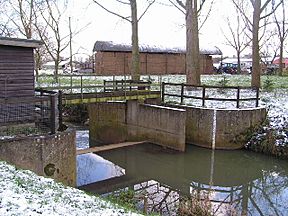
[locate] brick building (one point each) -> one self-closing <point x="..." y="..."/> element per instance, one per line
<point x="115" y="59"/>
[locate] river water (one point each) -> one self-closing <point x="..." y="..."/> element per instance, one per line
<point x="236" y="182"/>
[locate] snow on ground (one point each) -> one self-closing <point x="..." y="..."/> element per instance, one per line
<point x="24" y="193"/>
<point x="276" y="103"/>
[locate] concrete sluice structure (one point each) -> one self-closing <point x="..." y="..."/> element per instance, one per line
<point x="172" y="126"/>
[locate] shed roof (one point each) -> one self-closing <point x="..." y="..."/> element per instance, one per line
<point x="117" y="47"/>
<point x="7" y="41"/>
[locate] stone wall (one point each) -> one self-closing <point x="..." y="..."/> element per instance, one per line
<point x="118" y="122"/>
<point x="51" y="156"/>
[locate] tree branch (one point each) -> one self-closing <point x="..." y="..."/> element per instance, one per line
<point x="181" y="9"/>
<point x="150" y="3"/>
<point x="111" y="12"/>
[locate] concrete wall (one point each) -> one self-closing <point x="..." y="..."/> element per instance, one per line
<point x="107" y="123"/>
<point x="219" y="129"/>
<point x="52" y="156"/>
<point x="118" y="122"/>
<point x="199" y="126"/>
<point x="231" y="126"/>
<point x="157" y="124"/>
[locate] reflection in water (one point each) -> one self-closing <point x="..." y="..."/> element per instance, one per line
<point x="92" y="168"/>
<point x="235" y="181"/>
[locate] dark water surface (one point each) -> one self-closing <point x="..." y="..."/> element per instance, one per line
<point x="237" y="181"/>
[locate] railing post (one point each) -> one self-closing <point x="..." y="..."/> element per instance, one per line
<point x="53" y="114"/>
<point x="238" y="97"/>
<point x="104" y="86"/>
<point x="60" y="108"/>
<point x="182" y="93"/>
<point x="71" y="84"/>
<point x="203" y="95"/>
<point x="81" y="85"/>
<point x="257" y="97"/>
<point x="162" y="91"/>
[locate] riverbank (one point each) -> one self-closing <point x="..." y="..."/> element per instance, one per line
<point x="272" y="138"/>
<point x="24" y="193"/>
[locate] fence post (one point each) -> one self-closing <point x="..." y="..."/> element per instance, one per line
<point x="60" y="108"/>
<point x="145" y="210"/>
<point x="203" y="95"/>
<point x="238" y="97"/>
<point x="104" y="83"/>
<point x="71" y="84"/>
<point x="162" y="91"/>
<point x="257" y="97"/>
<point x="81" y="84"/>
<point x="182" y="93"/>
<point x="53" y="113"/>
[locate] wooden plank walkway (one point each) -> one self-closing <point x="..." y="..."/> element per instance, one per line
<point x="108" y="96"/>
<point x="107" y="147"/>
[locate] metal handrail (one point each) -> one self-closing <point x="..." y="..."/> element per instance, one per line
<point x="204" y="97"/>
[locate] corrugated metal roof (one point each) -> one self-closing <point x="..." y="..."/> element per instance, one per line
<point x="7" y="41"/>
<point x="117" y="47"/>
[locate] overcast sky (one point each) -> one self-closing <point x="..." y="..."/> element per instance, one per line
<point x="161" y="25"/>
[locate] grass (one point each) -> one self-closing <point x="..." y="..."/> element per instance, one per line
<point x="245" y="80"/>
<point x="19" y="130"/>
<point x="66" y="81"/>
<point x="275" y="81"/>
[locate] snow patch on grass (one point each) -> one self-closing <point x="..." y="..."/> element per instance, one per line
<point x="24" y="193"/>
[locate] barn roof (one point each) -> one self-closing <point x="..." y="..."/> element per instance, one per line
<point x="20" y="42"/>
<point x="116" y="47"/>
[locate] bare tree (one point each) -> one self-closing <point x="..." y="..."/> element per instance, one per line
<point x="50" y="30"/>
<point x="52" y="17"/>
<point x="5" y="28"/>
<point x="237" y="38"/>
<point x="282" y="32"/>
<point x="269" y="48"/>
<point x="192" y="10"/>
<point x="23" y="12"/>
<point x="134" y="20"/>
<point x="260" y="13"/>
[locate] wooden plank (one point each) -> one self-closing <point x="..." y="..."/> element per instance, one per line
<point x="67" y="101"/>
<point x="108" y="147"/>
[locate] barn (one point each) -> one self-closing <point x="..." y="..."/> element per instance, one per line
<point x="115" y="59"/>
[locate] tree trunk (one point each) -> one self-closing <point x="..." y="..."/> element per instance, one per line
<point x="135" y="73"/>
<point x="281" y="57"/>
<point x="56" y="69"/>
<point x="238" y="62"/>
<point x="192" y="44"/>
<point x="256" y="68"/>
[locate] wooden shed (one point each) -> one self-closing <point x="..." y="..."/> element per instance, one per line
<point x="17" y="67"/>
<point x="17" y="87"/>
<point x="115" y="59"/>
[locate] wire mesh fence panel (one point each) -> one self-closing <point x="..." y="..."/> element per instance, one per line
<point x="35" y="111"/>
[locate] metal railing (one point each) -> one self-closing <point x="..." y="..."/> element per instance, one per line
<point x="126" y="85"/>
<point x="185" y="92"/>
